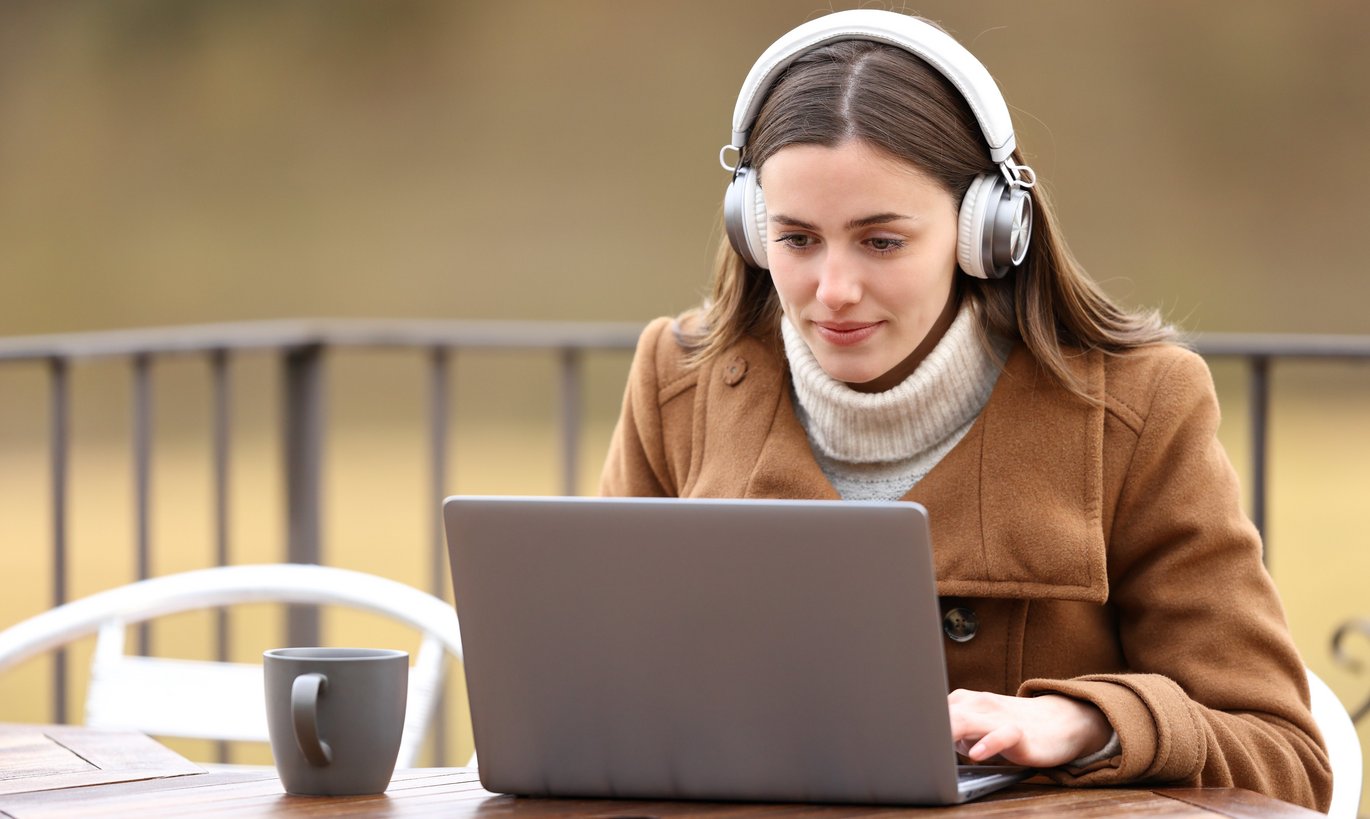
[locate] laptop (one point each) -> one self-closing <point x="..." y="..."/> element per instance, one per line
<point x="736" y="650"/>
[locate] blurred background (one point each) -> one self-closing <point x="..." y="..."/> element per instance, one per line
<point x="181" y="162"/>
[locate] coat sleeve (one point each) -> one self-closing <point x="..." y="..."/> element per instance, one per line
<point x="1216" y="694"/>
<point x="636" y="465"/>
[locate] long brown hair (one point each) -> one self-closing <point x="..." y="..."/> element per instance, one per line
<point x="896" y="102"/>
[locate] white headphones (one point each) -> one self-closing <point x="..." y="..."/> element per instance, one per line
<point x="996" y="214"/>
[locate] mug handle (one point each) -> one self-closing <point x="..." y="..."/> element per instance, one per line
<point x="304" y="713"/>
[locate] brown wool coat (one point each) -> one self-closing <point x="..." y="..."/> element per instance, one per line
<point x="1101" y="547"/>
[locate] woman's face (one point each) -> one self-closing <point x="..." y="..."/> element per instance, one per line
<point x="862" y="249"/>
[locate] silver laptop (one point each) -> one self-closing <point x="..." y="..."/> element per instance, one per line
<point x="689" y="649"/>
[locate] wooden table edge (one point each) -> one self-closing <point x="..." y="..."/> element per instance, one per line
<point x="1239" y="803"/>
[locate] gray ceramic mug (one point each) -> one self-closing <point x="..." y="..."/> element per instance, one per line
<point x="335" y="716"/>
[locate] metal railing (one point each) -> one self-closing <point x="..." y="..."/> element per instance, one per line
<point x="302" y="347"/>
<point x="1260" y="351"/>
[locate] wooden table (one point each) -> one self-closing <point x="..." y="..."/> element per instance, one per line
<point x="147" y="782"/>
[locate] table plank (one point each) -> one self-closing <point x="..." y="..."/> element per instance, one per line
<point x="237" y="793"/>
<point x="1240" y="804"/>
<point x="47" y="757"/>
<point x="450" y="792"/>
<point x="24" y="755"/>
<point x="457" y="793"/>
<point x="109" y="797"/>
<point x="1042" y="802"/>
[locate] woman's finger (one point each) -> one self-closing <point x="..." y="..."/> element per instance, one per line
<point x="996" y="743"/>
<point x="971" y="724"/>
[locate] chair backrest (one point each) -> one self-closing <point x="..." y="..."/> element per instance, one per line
<point x="168" y="697"/>
<point x="1343" y="748"/>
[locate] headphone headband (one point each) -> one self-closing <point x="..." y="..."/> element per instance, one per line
<point x="933" y="45"/>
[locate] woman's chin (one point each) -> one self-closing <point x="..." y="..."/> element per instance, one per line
<point x="855" y="377"/>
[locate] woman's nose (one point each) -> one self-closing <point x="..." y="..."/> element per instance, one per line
<point x="838" y="284"/>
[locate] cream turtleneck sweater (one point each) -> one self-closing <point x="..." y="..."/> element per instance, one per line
<point x="876" y="446"/>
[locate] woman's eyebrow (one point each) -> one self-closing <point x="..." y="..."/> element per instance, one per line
<point x="864" y="221"/>
<point x="877" y="219"/>
<point x="790" y="221"/>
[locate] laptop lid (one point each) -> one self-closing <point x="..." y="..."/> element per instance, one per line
<point x="770" y="650"/>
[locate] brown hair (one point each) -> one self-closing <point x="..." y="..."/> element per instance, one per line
<point x="893" y="100"/>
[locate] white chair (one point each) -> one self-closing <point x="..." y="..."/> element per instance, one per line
<point x="212" y="700"/>
<point x="1343" y="748"/>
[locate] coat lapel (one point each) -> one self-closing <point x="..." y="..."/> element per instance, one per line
<point x="785" y="467"/>
<point x="1016" y="507"/>
<point x="749" y="444"/>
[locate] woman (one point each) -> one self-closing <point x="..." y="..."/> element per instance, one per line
<point x="896" y="316"/>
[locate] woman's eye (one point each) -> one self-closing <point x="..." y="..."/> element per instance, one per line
<point x="798" y="241"/>
<point x="884" y="245"/>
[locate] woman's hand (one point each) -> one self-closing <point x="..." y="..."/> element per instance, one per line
<point x="1040" y="732"/>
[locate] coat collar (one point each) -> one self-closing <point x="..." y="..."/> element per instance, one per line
<point x="1016" y="507"/>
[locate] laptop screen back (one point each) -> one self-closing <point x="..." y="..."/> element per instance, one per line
<point x="666" y="648"/>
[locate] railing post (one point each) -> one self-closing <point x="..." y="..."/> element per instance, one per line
<point x="142" y="472"/>
<point x="220" y="411"/>
<point x="61" y="422"/>
<point x="437" y="566"/>
<point x="303" y="444"/>
<point x="1260" y="431"/>
<point x="570" y="419"/>
<point x="219" y="422"/>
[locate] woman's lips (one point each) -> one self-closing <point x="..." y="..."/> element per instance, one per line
<point x="845" y="334"/>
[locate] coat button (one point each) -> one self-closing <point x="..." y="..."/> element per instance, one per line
<point x="960" y="624"/>
<point x="734" y="371"/>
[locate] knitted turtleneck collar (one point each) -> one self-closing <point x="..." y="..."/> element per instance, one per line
<point x="938" y="401"/>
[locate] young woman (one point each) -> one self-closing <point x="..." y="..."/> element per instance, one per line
<point x="896" y="315"/>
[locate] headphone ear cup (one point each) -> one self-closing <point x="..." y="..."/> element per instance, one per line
<point x="970" y="227"/>
<point x="994" y="228"/>
<point x="1013" y="228"/>
<point x="756" y="237"/>
<point x="744" y="217"/>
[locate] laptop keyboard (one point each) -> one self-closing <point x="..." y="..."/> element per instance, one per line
<point x="965" y="773"/>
